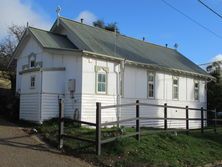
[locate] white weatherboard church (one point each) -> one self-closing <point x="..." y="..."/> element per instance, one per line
<point x="85" y="65"/>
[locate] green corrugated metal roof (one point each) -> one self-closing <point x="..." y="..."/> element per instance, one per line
<point x="52" y="40"/>
<point x="102" y="41"/>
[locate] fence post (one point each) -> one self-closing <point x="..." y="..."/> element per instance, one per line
<point x="215" y="121"/>
<point x="61" y="122"/>
<point x="202" y="120"/>
<point x="187" y="120"/>
<point x="138" y="120"/>
<point x="98" y="128"/>
<point x="165" y="116"/>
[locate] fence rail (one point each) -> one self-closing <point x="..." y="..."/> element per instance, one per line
<point x="98" y="125"/>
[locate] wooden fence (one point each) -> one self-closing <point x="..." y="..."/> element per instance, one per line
<point x="98" y="125"/>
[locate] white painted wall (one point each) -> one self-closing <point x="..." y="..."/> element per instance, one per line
<point x="57" y="82"/>
<point x="89" y="95"/>
<point x="31" y="46"/>
<point x="53" y="83"/>
<point x="52" y="86"/>
<point x="135" y="88"/>
<point x="29" y="97"/>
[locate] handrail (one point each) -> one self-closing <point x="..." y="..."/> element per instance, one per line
<point x="118" y="105"/>
<point x="152" y="105"/>
<point x="84" y="122"/>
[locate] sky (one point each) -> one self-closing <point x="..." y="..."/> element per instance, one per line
<point x="153" y="19"/>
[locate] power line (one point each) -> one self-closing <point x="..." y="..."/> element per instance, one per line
<point x="208" y="7"/>
<point x="191" y="19"/>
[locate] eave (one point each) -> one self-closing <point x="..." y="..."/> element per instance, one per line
<point x="150" y="66"/>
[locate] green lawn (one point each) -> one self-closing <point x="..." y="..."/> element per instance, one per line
<point x="157" y="149"/>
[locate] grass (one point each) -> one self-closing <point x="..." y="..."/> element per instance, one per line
<point x="157" y="149"/>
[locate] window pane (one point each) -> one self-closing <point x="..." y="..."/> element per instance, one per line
<point x="175" y="82"/>
<point x="196" y="94"/>
<point x="103" y="87"/>
<point x="32" y="63"/>
<point x="99" y="87"/>
<point x="175" y="92"/>
<point x="150" y="77"/>
<point x="196" y="85"/>
<point x="103" y="78"/>
<point x="150" y="93"/>
<point x="99" y="77"/>
<point x="150" y="90"/>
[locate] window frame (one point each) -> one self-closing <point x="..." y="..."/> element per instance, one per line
<point x="31" y="82"/>
<point x="101" y="72"/>
<point x="175" y="86"/>
<point x="198" y="90"/>
<point x="151" y="82"/>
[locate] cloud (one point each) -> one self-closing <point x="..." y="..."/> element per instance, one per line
<point x="16" y="12"/>
<point x="88" y="17"/>
<point x="217" y="58"/>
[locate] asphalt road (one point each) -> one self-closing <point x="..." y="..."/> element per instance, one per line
<point x="19" y="149"/>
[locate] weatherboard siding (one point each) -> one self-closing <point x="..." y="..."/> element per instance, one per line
<point x="89" y="94"/>
<point x="50" y="107"/>
<point x="29" y="107"/>
<point x="135" y="88"/>
<point x="89" y="108"/>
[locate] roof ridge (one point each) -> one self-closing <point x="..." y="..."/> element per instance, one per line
<point x="125" y="36"/>
<point x="86" y="25"/>
<point x="30" y="27"/>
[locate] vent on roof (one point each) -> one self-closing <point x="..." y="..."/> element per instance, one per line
<point x="176" y="45"/>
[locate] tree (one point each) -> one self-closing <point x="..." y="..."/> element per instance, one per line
<point x="214" y="92"/>
<point x="99" y="23"/>
<point x="7" y="47"/>
<point x="110" y="26"/>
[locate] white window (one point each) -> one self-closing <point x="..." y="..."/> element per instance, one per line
<point x="151" y="86"/>
<point x="101" y="82"/>
<point x="175" y="88"/>
<point x="196" y="90"/>
<point x="32" y="82"/>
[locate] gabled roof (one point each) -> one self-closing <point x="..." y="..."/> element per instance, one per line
<point x="51" y="40"/>
<point x="102" y="41"/>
